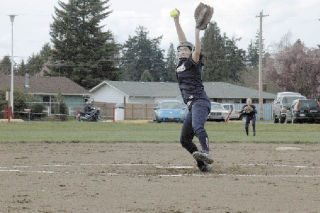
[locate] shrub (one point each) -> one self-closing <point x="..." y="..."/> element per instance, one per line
<point x="35" y="109"/>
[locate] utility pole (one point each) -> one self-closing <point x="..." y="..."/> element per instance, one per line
<point x="260" y="67"/>
<point x="12" y="62"/>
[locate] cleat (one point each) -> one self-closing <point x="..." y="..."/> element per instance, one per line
<point x="203" y="156"/>
<point x="205" y="167"/>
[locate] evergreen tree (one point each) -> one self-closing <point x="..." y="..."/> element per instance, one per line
<point x="36" y="62"/>
<point x="224" y="60"/>
<point x="253" y="52"/>
<point x="5" y="65"/>
<point x="213" y="50"/>
<point x="82" y="51"/>
<point x="235" y="60"/>
<point x="253" y="55"/>
<point x="171" y="64"/>
<point x="141" y="53"/>
<point x="21" y="69"/>
<point x="146" y="76"/>
<point x="45" y="52"/>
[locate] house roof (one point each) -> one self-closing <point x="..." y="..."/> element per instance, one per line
<point x="227" y="90"/>
<point x="43" y="85"/>
<point x="171" y="89"/>
<point x="143" y="89"/>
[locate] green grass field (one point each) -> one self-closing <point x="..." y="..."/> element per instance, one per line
<point x="73" y="131"/>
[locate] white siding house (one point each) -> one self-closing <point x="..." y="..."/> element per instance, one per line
<point x="134" y="92"/>
<point x="152" y="92"/>
<point x="111" y="93"/>
<point x="107" y="94"/>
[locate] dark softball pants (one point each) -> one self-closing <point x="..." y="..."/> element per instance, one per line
<point x="253" y="119"/>
<point x="194" y="126"/>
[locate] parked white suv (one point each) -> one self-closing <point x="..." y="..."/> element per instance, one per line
<point x="282" y="104"/>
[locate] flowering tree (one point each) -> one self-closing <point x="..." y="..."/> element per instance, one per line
<point x="295" y="68"/>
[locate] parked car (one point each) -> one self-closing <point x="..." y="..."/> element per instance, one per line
<point x="305" y="110"/>
<point x="217" y="113"/>
<point x="282" y="104"/>
<point x="234" y="113"/>
<point x="170" y="111"/>
<point x="279" y="94"/>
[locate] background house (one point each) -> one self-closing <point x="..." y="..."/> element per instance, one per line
<point x="134" y="92"/>
<point x="46" y="88"/>
<point x="151" y="92"/>
<point x="140" y="97"/>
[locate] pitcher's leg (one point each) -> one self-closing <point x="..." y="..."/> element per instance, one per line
<point x="199" y="117"/>
<point x="200" y="110"/>
<point x="187" y="135"/>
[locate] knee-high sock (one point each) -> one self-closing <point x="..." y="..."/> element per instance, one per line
<point x="204" y="140"/>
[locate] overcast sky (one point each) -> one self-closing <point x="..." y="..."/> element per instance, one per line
<point x="237" y="18"/>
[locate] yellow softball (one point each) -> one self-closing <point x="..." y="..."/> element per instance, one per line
<point x="174" y="13"/>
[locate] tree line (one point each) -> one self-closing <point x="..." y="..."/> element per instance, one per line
<point x="81" y="50"/>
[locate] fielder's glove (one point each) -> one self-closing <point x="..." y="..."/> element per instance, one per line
<point x="202" y="15"/>
<point x="248" y="109"/>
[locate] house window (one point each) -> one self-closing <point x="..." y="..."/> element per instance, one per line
<point x="46" y="99"/>
<point x="219" y="100"/>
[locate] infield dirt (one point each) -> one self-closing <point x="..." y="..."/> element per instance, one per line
<point x="158" y="177"/>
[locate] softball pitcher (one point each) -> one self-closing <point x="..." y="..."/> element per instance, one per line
<point x="189" y="74"/>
